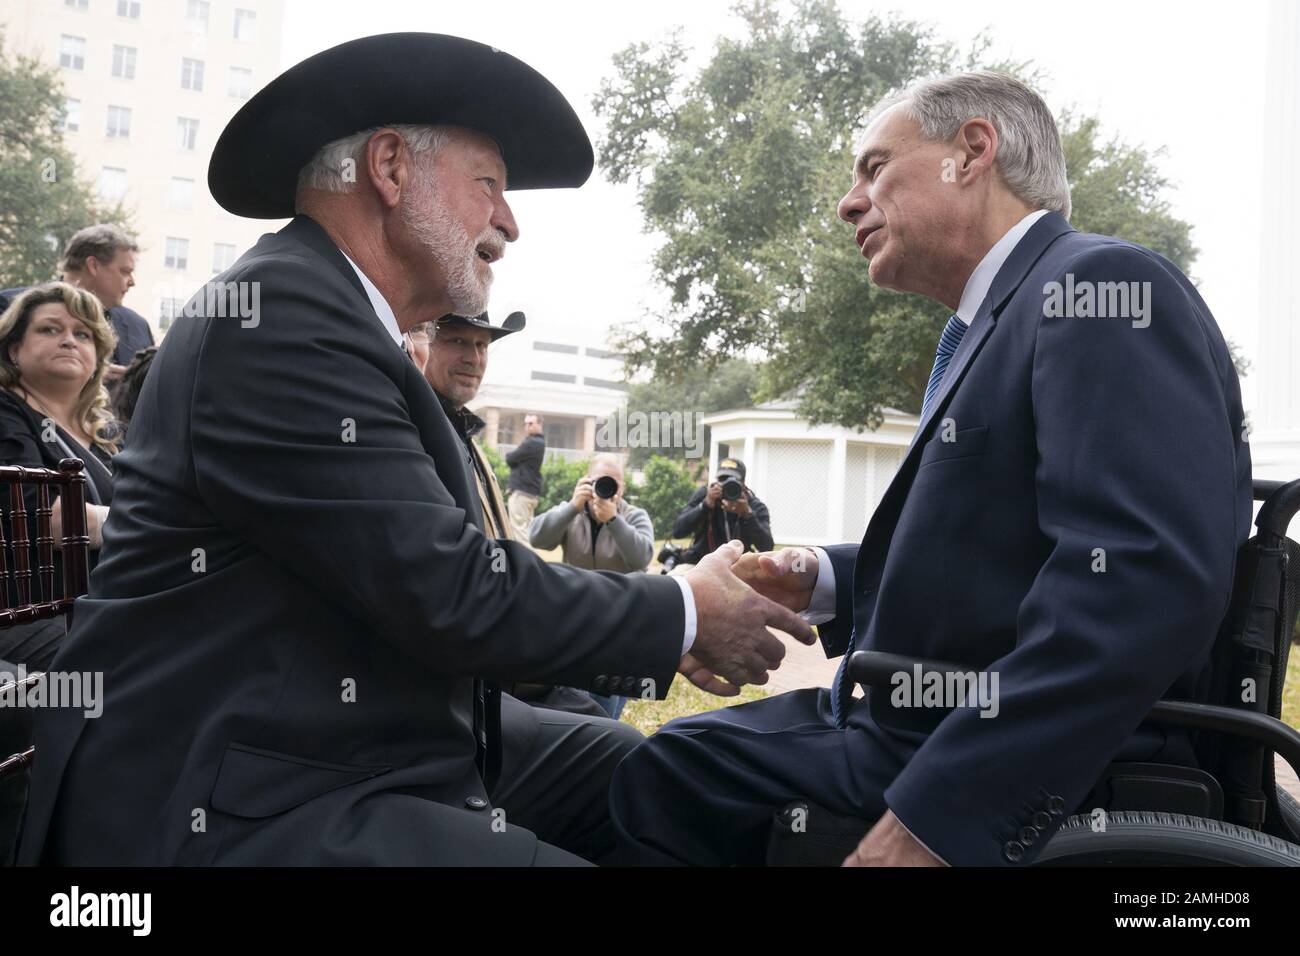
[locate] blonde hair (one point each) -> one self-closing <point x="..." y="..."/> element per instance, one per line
<point x="92" y="410"/>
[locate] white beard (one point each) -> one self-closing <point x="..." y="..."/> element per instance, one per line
<point x="452" y="249"/>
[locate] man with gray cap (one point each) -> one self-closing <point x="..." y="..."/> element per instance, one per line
<point x="295" y="580"/>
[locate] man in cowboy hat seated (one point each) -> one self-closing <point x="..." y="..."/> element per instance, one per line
<point x="300" y="619"/>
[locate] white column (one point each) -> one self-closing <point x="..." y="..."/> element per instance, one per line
<point x="835" y="483"/>
<point x="1275" y="419"/>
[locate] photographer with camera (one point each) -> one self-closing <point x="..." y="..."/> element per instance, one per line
<point x="599" y="531"/>
<point x="722" y="511"/>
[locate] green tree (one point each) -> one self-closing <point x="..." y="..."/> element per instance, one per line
<point x="700" y="390"/>
<point x="663" y="492"/>
<point x="43" y="201"/>
<point x="739" y="169"/>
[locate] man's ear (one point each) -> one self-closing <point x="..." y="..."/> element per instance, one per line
<point x="977" y="141"/>
<point x="92" y="266"/>
<point x="387" y="166"/>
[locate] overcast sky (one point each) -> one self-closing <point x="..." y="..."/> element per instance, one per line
<point x="1186" y="76"/>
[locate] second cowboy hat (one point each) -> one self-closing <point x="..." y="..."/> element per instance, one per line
<point x="395" y="78"/>
<point x="514" y="322"/>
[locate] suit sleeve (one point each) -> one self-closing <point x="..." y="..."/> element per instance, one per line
<point x="303" y="445"/>
<point x="834" y="634"/>
<point x="758" y="529"/>
<point x="1137" y="509"/>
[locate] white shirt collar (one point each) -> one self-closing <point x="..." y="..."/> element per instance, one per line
<point x="977" y="286"/>
<point x="378" y="302"/>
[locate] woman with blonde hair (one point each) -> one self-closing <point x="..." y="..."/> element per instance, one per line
<point x="55" y="345"/>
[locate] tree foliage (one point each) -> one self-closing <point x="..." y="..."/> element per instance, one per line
<point x="739" y="168"/>
<point x="43" y="201"/>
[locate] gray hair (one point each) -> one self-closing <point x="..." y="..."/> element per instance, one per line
<point x="329" y="169"/>
<point x="1030" y="157"/>
<point x="103" y="241"/>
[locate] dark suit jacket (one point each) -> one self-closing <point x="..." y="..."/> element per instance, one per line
<point x="1070" y="435"/>
<point x="293" y="598"/>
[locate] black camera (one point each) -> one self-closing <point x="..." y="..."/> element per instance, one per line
<point x="606" y="486"/>
<point x="732" y="489"/>
<point x="670" y="555"/>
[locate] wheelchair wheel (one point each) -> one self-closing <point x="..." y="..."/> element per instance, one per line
<point x="1145" y="838"/>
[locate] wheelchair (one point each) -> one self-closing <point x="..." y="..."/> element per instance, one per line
<point x="1227" y="811"/>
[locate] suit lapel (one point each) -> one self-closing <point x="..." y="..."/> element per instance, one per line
<point x="880" y="530"/>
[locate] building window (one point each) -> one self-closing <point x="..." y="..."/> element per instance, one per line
<point x="129" y="9"/>
<point x="241" y="83"/>
<point x="555" y="377"/>
<point x="176" y="253"/>
<point x="72" y="52"/>
<point x="76" y="4"/>
<point x="223" y="256"/>
<point x="124" y="62"/>
<point x="71" y="116"/>
<point x="555" y="347"/>
<point x="181" y="194"/>
<point x="119" y="122"/>
<point x="112" y="183"/>
<point x="604" y="383"/>
<point x="602" y="353"/>
<point x="196" y="16"/>
<point x="168" y="309"/>
<point x="188" y="131"/>
<point x="192" y="74"/>
<point x="246" y="25"/>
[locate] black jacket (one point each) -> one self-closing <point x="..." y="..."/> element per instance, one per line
<point x="294" y="598"/>
<point x="525" y="463"/>
<point x="697" y="519"/>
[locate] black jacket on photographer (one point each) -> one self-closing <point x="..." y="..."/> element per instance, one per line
<point x="713" y="527"/>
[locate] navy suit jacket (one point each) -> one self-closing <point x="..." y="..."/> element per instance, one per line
<point x="1054" y="442"/>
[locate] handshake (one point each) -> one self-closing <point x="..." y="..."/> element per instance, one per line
<point x="738" y="597"/>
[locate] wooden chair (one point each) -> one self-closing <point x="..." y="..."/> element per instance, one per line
<point x="28" y="595"/>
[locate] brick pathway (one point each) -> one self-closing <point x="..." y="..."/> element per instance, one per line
<point x="808" y="667"/>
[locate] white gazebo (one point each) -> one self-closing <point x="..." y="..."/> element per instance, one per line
<point x="821" y="482"/>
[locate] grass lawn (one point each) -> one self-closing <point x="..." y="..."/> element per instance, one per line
<point x="683" y="699"/>
<point x="1291" y="690"/>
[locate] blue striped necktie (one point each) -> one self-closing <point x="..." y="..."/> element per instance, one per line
<point x="953" y="332"/>
<point x="948" y="342"/>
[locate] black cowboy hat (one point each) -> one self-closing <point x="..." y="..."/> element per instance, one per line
<point x="395" y="78"/>
<point x="514" y="322"/>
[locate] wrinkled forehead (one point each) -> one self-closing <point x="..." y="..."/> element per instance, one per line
<point x="605" y="466"/>
<point x="474" y="146"/>
<point x="890" y="132"/>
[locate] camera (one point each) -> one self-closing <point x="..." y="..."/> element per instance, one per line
<point x="606" y="486"/>
<point x="732" y="489"/>
<point x="670" y="555"/>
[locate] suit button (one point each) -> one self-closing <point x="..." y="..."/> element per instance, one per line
<point x="1042" y="819"/>
<point x="475" y="803"/>
<point x="1013" y="851"/>
<point x="1028" y="835"/>
<point x="614" y="684"/>
<point x="599" y="683"/>
<point x="629" y="684"/>
<point x="1056" y="805"/>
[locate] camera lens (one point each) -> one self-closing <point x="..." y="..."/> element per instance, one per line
<point x="732" y="489"/>
<point x="606" y="486"/>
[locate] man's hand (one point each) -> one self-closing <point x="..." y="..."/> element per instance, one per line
<point x="705" y="679"/>
<point x="713" y="494"/>
<point x="582" y="493"/>
<point x="786" y="576"/>
<point x="603" y="509"/>
<point x="731" y="636"/>
<point x="889" y="844"/>
<point x="738" y="507"/>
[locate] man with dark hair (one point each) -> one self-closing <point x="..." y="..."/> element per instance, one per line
<point x="101" y="260"/>
<point x="525" y="461"/>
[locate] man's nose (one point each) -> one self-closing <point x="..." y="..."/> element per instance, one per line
<point x="503" y="220"/>
<point x="854" y="205"/>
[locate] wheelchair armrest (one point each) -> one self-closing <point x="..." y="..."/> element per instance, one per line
<point x="876" y="669"/>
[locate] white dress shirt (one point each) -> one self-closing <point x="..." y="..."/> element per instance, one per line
<point x="389" y="321"/>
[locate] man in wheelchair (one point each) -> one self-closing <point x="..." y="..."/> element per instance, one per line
<point x="1066" y="523"/>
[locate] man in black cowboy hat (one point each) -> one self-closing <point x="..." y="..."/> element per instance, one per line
<point x="302" y="619"/>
